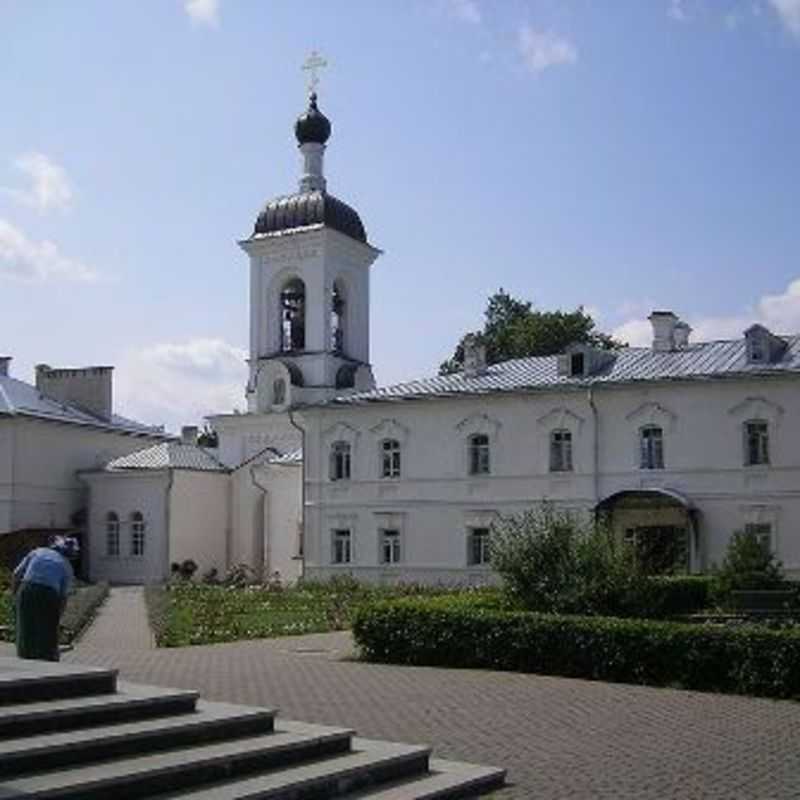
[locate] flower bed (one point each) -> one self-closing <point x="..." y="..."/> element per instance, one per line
<point x="454" y="632"/>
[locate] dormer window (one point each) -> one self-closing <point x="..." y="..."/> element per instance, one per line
<point x="763" y="347"/>
<point x="577" y="364"/>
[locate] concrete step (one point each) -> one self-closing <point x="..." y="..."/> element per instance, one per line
<point x="24" y="681"/>
<point x="131" y="702"/>
<point x="211" y="722"/>
<point x="145" y="776"/>
<point x="447" y="780"/>
<point x="369" y="764"/>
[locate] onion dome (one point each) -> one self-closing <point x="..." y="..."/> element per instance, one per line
<point x="313" y="126"/>
<point x="310" y="208"/>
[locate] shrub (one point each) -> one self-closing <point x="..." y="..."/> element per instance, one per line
<point x="557" y="561"/>
<point x="452" y="632"/>
<point x="748" y="565"/>
<point x="664" y="596"/>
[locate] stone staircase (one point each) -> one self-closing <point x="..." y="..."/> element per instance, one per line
<point x="76" y="733"/>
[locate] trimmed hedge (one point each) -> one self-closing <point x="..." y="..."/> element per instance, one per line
<point x="454" y="632"/>
<point x="662" y="597"/>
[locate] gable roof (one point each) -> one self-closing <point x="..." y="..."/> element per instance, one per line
<point x="167" y="455"/>
<point x="702" y="361"/>
<point x="18" y="398"/>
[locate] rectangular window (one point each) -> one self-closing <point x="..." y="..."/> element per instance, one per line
<point x="390" y="547"/>
<point x="342" y="546"/>
<point x="756" y="443"/>
<point x="390" y="459"/>
<point x="763" y="533"/>
<point x="340" y="461"/>
<point x="479" y="463"/>
<point x="561" y="451"/>
<point x="651" y="448"/>
<point x="478" y="547"/>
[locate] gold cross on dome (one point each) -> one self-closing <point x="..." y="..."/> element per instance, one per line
<point x="312" y="64"/>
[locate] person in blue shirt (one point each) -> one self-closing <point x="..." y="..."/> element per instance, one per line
<point x="41" y="583"/>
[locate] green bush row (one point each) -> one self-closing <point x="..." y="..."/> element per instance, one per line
<point x="449" y="632"/>
<point x="662" y="597"/>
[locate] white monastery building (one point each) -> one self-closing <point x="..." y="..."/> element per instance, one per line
<point x="679" y="444"/>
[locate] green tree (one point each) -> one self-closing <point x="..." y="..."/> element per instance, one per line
<point x="513" y="329"/>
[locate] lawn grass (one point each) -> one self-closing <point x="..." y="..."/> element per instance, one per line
<point x="185" y="613"/>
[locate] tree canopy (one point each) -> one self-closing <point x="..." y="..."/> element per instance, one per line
<point x="513" y="329"/>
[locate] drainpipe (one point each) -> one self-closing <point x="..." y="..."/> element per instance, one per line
<point x="263" y="554"/>
<point x="167" y="503"/>
<point x="595" y="444"/>
<point x="302" y="492"/>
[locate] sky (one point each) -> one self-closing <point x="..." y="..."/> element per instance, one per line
<point x="621" y="156"/>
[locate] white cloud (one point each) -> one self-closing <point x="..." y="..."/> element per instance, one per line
<point x="48" y="184"/>
<point x="543" y="49"/>
<point x="27" y="260"/>
<point x="788" y="12"/>
<point x="203" y="12"/>
<point x="778" y="312"/>
<point x="180" y="383"/>
<point x="464" y="10"/>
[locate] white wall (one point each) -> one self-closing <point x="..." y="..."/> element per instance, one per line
<point x="44" y="489"/>
<point x="198" y="519"/>
<point x="435" y="501"/>
<point x="124" y="493"/>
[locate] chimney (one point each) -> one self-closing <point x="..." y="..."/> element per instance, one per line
<point x="663" y="323"/>
<point x="86" y="388"/>
<point x="189" y="434"/>
<point x="474" y="356"/>
<point x="5" y="363"/>
<point x="681" y="334"/>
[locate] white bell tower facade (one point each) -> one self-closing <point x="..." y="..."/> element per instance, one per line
<point x="309" y="289"/>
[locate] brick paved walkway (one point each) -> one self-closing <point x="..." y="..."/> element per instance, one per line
<point x="559" y="738"/>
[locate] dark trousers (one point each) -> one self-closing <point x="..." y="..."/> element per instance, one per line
<point x="38" y="614"/>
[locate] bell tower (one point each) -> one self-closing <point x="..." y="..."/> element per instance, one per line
<point x="309" y="287"/>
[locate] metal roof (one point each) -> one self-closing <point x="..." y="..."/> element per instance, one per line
<point x="167" y="455"/>
<point x="702" y="361"/>
<point x="23" y="399"/>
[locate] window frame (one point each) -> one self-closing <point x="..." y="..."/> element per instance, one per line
<point x="651" y="447"/>
<point x="112" y="526"/>
<point x="478" y="546"/>
<point x="138" y="531"/>
<point x="341" y="461"/>
<point x="391" y="459"/>
<point x="763" y="532"/>
<point x="343" y="537"/>
<point x="561" y="450"/>
<point x="479" y="454"/>
<point x="390" y="538"/>
<point x="758" y="438"/>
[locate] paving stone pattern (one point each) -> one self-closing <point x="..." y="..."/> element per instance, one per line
<point x="558" y="738"/>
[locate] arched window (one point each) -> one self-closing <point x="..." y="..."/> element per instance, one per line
<point x="279" y="392"/>
<point x="293" y="316"/>
<point x="340" y="461"/>
<point x="561" y="451"/>
<point x="478" y="454"/>
<point x="337" y="318"/>
<point x="651" y="447"/>
<point x="112" y="534"/>
<point x="390" y="458"/>
<point x="137" y="533"/>
<point x="346" y="376"/>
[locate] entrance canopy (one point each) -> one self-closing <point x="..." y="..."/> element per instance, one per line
<point x="652" y="495"/>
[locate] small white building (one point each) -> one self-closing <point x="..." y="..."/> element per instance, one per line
<point x="175" y="501"/>
<point x="50" y="431"/>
